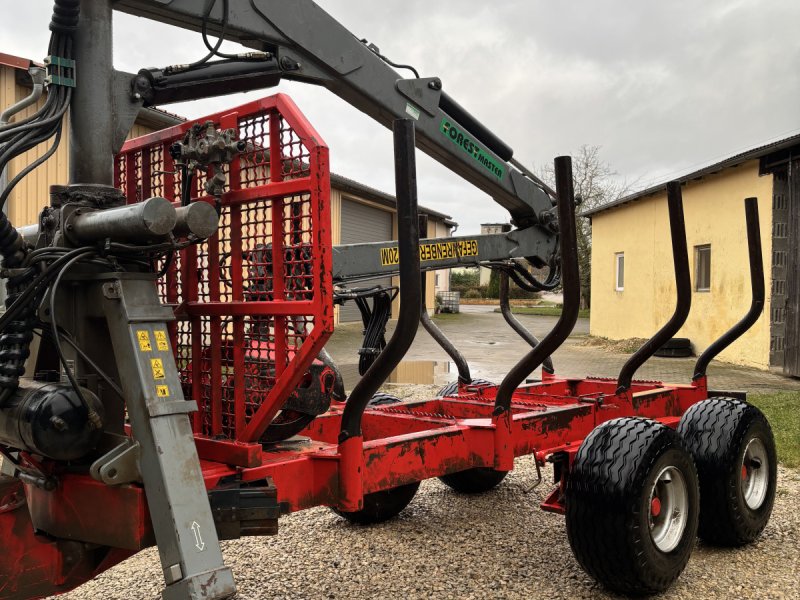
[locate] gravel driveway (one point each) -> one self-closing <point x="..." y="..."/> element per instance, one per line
<point x="445" y="545"/>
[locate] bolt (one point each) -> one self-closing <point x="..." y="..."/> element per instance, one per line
<point x="436" y="84"/>
<point x="137" y="96"/>
<point x="58" y="423"/>
<point x="289" y="64"/>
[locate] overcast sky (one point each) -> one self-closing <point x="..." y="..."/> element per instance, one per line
<point x="664" y="87"/>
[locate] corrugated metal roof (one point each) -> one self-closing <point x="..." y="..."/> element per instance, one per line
<point x="158" y="119"/>
<point x="154" y="118"/>
<point x="732" y="161"/>
<point x="16" y="62"/>
<point x="354" y="187"/>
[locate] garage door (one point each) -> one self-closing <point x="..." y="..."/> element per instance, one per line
<point x="362" y="223"/>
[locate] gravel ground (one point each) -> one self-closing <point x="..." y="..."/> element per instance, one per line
<point x="445" y="545"/>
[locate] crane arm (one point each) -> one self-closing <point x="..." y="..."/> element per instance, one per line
<point x="304" y="43"/>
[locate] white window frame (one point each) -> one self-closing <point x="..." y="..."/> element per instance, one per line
<point x="619" y="257"/>
<point x="701" y="248"/>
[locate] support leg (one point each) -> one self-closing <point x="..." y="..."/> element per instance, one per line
<point x="173" y="482"/>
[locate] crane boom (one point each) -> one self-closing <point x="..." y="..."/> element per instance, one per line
<point x="305" y="43"/>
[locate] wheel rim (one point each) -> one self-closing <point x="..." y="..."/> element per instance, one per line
<point x="668" y="509"/>
<point x="754" y="474"/>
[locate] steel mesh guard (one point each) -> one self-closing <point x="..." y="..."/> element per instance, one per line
<point x="254" y="303"/>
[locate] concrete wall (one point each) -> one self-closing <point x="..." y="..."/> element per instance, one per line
<point x="714" y="211"/>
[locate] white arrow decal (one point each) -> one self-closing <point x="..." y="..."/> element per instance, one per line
<point x="199" y="543"/>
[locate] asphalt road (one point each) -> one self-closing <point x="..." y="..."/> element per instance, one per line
<point x="491" y="348"/>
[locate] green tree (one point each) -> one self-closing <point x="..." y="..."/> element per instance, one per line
<point x="493" y="290"/>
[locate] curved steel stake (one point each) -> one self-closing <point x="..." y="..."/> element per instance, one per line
<point x="408" y="319"/>
<point x="440" y="338"/>
<point x="756" y="285"/>
<point x="683" y="282"/>
<point x="570" y="282"/>
<point x="513" y="322"/>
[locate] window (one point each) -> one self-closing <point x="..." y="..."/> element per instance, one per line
<point x="619" y="280"/>
<point x="702" y="268"/>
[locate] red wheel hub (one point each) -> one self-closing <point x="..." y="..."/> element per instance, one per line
<point x="655" y="507"/>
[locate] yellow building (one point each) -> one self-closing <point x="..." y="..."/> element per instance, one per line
<point x="633" y="288"/>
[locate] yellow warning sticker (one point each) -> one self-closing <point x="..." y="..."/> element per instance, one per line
<point x="158" y="368"/>
<point x="162" y="391"/>
<point x="432" y="252"/>
<point x="144" y="340"/>
<point x="161" y="341"/>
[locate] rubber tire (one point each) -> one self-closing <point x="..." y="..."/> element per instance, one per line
<point x="381" y="506"/>
<point x="607" y="505"/>
<point x="281" y="430"/>
<point x="677" y="343"/>
<point x="386" y="504"/>
<point x="717" y="432"/>
<point x="382" y="399"/>
<point x="451" y="389"/>
<point x="474" y="481"/>
<point x="673" y="352"/>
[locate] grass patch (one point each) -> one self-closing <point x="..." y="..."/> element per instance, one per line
<point x="544" y="311"/>
<point x="782" y="409"/>
<point x="446" y="316"/>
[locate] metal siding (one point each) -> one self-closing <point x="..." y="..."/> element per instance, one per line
<point x="32" y="193"/>
<point x="781" y="261"/>
<point x="791" y="357"/>
<point x="362" y="223"/>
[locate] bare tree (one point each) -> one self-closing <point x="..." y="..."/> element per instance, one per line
<point x="596" y="183"/>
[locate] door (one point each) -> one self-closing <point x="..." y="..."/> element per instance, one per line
<point x="780" y="258"/>
<point x="363" y="223"/>
<point x="791" y="355"/>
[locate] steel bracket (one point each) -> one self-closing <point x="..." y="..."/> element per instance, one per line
<point x="424" y="93"/>
<point x="120" y="465"/>
<point x="125" y="106"/>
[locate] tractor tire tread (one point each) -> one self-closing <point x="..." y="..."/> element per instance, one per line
<point x="474" y="481"/>
<point x="381" y="506"/>
<point x="383" y="399"/>
<point x="451" y="389"/>
<point x="714" y="431"/>
<point x="613" y="461"/>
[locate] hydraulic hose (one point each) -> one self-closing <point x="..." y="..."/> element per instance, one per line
<point x="17" y="334"/>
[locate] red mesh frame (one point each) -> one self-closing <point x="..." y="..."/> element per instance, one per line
<point x="244" y="339"/>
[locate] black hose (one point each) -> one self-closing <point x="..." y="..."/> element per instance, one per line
<point x="16" y="336"/>
<point x="374" y="320"/>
